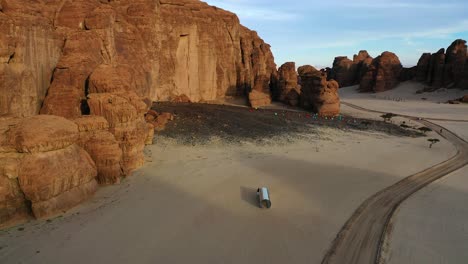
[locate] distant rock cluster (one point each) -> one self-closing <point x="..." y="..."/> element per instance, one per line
<point x="441" y="69"/>
<point x="445" y="68"/>
<point x="308" y="88"/>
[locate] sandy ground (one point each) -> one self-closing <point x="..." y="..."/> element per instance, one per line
<point x="404" y="100"/>
<point x="431" y="226"/>
<point x="197" y="203"/>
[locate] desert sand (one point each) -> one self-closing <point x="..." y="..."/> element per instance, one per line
<point x="429" y="227"/>
<point x="197" y="203"/>
<point x="404" y="100"/>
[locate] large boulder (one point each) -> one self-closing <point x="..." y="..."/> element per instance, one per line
<point x="42" y="169"/>
<point x="126" y="123"/>
<point x="13" y="205"/>
<point x="43" y="133"/>
<point x="383" y="74"/>
<point x="56" y="181"/>
<point x="288" y="87"/>
<point x="318" y="94"/>
<point x="260" y="94"/>
<point x="102" y="147"/>
<point x="349" y="72"/>
<point x="344" y="71"/>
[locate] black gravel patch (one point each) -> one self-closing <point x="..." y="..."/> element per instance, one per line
<point x="199" y="123"/>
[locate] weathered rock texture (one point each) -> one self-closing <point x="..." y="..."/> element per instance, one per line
<point x="102" y="146"/>
<point x="445" y="69"/>
<point x="42" y="169"/>
<point x="288" y="87"/>
<point x="159" y="49"/>
<point x="349" y="72"/>
<point x="108" y="59"/>
<point x="318" y="94"/>
<point x="383" y="74"/>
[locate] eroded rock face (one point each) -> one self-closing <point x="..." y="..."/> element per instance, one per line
<point x="158" y="49"/>
<point x="29" y="52"/>
<point x="456" y="64"/>
<point x="349" y="72"/>
<point x="42" y="167"/>
<point x="108" y="59"/>
<point x="102" y="146"/>
<point x="56" y="181"/>
<point x="126" y="123"/>
<point x="383" y="74"/>
<point x="288" y="87"/>
<point x="445" y="69"/>
<point x="318" y="94"/>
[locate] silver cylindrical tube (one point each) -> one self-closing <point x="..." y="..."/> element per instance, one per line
<point x="263" y="197"/>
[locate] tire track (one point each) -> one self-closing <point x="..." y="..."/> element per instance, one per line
<point x="361" y="238"/>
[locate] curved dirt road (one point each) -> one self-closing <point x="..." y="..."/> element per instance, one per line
<point x="361" y="238"/>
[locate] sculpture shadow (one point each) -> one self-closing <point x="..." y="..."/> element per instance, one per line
<point x="249" y="195"/>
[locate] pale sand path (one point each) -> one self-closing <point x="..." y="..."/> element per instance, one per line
<point x="433" y="107"/>
<point x="414" y="240"/>
<point x="197" y="204"/>
<point x="432" y="226"/>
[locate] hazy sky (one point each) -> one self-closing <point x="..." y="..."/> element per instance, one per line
<point x="314" y="32"/>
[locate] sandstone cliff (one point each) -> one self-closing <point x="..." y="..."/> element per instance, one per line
<point x="100" y="64"/>
<point x="159" y="49"/>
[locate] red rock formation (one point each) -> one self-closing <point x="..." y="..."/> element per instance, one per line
<point x="349" y="72"/>
<point x="40" y="162"/>
<point x="126" y="123"/>
<point x="455" y="64"/>
<point x="318" y="94"/>
<point x="445" y="69"/>
<point x="422" y="68"/>
<point x="383" y="74"/>
<point x="158" y="120"/>
<point x="288" y="88"/>
<point x="109" y="59"/>
<point x="408" y="74"/>
<point x="159" y="49"/>
<point x="344" y="71"/>
<point x="102" y="147"/>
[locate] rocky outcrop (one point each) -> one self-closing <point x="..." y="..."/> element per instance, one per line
<point x="408" y="74"/>
<point x="95" y="138"/>
<point x="29" y="51"/>
<point x="349" y="72"/>
<point x="422" y="67"/>
<point x="456" y="65"/>
<point x="288" y="88"/>
<point x="158" y="49"/>
<point x="383" y="74"/>
<point x="445" y="69"/>
<point x="260" y="94"/>
<point x="158" y="120"/>
<point x="101" y="64"/>
<point x="126" y="123"/>
<point x="43" y="169"/>
<point x="318" y="94"/>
